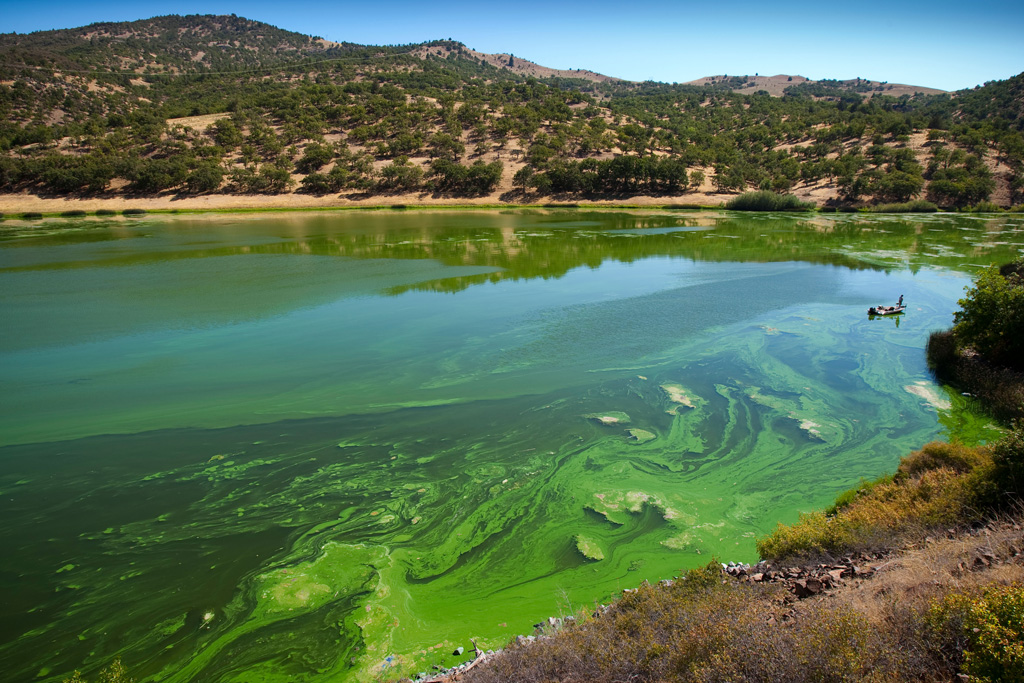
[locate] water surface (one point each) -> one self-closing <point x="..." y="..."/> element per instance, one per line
<point x="329" y="446"/>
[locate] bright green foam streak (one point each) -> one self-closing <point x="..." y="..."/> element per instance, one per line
<point x="314" y="550"/>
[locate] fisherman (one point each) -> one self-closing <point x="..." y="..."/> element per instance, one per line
<point x="900" y="301"/>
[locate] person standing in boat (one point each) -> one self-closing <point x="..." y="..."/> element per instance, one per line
<point x="900" y="303"/>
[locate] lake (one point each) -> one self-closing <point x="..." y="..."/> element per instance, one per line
<point x="331" y="446"/>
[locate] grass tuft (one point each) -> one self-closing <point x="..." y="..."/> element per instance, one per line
<point x="986" y="207"/>
<point x="915" y="206"/>
<point x="766" y="200"/>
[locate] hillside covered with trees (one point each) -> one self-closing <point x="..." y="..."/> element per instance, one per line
<point x="220" y="104"/>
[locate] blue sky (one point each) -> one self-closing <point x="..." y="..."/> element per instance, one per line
<point x="939" y="44"/>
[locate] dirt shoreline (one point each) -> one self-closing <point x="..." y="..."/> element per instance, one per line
<point x="25" y="202"/>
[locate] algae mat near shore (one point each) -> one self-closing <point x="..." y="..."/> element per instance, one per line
<point x="337" y="447"/>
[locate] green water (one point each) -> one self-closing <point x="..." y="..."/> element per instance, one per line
<point x="329" y="447"/>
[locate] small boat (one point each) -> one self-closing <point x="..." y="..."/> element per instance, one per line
<point x="888" y="310"/>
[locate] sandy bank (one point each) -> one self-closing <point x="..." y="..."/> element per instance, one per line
<point x="22" y="202"/>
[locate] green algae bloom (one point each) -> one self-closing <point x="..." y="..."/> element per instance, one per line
<point x="339" y="446"/>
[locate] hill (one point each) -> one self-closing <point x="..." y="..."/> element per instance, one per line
<point x="509" y="62"/>
<point x="783" y="84"/>
<point x="222" y="110"/>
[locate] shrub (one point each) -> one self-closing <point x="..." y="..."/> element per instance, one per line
<point x="941" y="352"/>
<point x="74" y="213"/>
<point x="991" y="318"/>
<point x="915" y="206"/>
<point x="134" y="212"/>
<point x="765" y="200"/>
<point x="106" y="212"/>
<point x="31" y="215"/>
<point x="986" y="207"/>
<point x="935" y="455"/>
<point x="991" y="625"/>
<point x="1008" y="461"/>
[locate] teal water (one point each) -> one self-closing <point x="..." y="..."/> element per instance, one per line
<point x="333" y="446"/>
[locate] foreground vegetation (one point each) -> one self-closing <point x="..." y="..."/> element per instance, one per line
<point x="196" y="105"/>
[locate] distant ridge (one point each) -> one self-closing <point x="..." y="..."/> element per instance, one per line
<point x="517" y="65"/>
<point x="776" y="85"/>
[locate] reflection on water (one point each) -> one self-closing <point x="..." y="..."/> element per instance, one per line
<point x="298" y="446"/>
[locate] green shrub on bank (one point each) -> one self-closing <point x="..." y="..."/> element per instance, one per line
<point x="766" y="200"/>
<point x="983" y="354"/>
<point x="991" y="317"/>
<point x="915" y="206"/>
<point x="992" y="625"/>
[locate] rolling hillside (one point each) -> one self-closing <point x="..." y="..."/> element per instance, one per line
<point x="225" y="106"/>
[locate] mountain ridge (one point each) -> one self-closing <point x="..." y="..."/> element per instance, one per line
<point x="292" y="43"/>
<point x="215" y="105"/>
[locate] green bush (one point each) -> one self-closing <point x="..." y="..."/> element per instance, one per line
<point x="992" y="625"/>
<point x="74" y="213"/>
<point x="134" y="212"/>
<point x="766" y="200"/>
<point x="106" y="212"/>
<point x="991" y="318"/>
<point x="1008" y="461"/>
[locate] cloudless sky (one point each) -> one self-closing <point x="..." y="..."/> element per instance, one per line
<point x="946" y="44"/>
